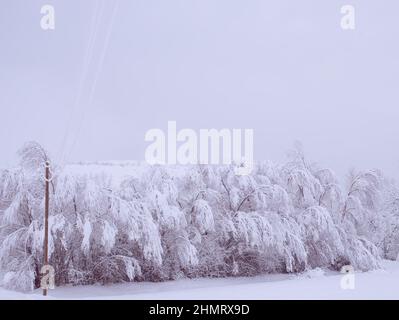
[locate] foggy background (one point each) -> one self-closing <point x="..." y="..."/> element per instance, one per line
<point x="283" y="68"/>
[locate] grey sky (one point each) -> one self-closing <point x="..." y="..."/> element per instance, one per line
<point x="284" y="68"/>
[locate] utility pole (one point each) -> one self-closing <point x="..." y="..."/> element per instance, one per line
<point x="46" y="210"/>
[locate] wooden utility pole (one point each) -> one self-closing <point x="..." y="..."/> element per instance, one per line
<point x="46" y="210"/>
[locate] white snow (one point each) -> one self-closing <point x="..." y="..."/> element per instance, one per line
<point x="317" y="284"/>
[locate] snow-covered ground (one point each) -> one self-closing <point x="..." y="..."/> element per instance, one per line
<point x="316" y="284"/>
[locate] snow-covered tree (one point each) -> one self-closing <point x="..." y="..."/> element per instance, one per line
<point x="168" y="222"/>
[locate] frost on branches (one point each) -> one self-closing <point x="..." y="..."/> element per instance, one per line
<point x="159" y="222"/>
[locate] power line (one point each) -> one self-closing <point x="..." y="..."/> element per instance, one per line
<point x="96" y="76"/>
<point x="89" y="54"/>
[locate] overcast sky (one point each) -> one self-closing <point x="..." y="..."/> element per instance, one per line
<point x="283" y="68"/>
